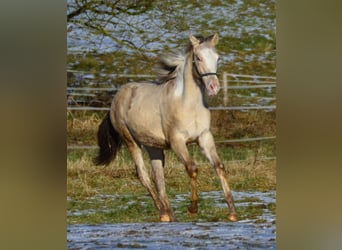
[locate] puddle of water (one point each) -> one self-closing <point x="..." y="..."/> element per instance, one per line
<point x="245" y="234"/>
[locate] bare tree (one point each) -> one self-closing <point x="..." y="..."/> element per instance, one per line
<point x="132" y="24"/>
<point x="110" y="8"/>
<point x="116" y="20"/>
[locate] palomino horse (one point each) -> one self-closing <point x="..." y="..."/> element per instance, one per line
<point x="168" y="115"/>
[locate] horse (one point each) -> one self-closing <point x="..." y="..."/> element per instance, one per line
<point x="168" y="114"/>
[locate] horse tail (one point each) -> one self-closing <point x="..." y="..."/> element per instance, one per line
<point x="109" y="142"/>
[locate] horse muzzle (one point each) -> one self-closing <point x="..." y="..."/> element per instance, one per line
<point x="211" y="82"/>
<point x="212" y="85"/>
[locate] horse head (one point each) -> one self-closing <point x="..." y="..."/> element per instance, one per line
<point x="205" y="61"/>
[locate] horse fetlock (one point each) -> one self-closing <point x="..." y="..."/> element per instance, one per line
<point x="193" y="174"/>
<point x="158" y="205"/>
<point x="221" y="170"/>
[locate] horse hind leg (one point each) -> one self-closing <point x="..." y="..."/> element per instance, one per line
<point x="158" y="162"/>
<point x="142" y="173"/>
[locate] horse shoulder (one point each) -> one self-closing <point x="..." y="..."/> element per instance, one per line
<point x="189" y="123"/>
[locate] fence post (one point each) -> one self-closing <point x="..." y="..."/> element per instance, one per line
<point x="225" y="88"/>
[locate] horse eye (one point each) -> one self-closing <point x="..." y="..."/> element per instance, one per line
<point x="199" y="58"/>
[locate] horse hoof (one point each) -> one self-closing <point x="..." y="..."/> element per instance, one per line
<point x="192" y="214"/>
<point x="165" y="218"/>
<point x="193" y="209"/>
<point x="232" y="217"/>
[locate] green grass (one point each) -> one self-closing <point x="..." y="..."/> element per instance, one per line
<point x="138" y="207"/>
<point x="114" y="194"/>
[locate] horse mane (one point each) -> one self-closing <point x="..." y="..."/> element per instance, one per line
<point x="169" y="62"/>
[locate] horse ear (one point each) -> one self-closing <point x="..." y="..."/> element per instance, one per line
<point x="194" y="41"/>
<point x="215" y="39"/>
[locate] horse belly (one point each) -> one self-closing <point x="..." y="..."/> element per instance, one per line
<point x="149" y="135"/>
<point x="146" y="127"/>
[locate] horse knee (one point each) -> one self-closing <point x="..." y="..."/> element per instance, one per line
<point x="192" y="170"/>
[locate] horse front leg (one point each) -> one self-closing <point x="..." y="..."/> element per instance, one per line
<point x="178" y="145"/>
<point x="206" y="142"/>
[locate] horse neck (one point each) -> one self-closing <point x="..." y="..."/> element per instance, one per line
<point x="191" y="90"/>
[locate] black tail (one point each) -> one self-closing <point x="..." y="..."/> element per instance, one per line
<point x="109" y="142"/>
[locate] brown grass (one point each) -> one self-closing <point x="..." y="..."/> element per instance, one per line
<point x="85" y="179"/>
<point x="252" y="173"/>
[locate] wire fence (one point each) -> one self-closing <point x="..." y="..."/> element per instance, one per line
<point x="219" y="141"/>
<point x="242" y="108"/>
<point x="254" y="82"/>
<point x="230" y="82"/>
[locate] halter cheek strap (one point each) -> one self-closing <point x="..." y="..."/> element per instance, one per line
<point x="205" y="74"/>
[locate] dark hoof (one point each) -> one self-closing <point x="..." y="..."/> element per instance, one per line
<point x="192" y="209"/>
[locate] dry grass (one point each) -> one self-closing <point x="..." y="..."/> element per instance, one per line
<point x="85" y="179"/>
<point x="250" y="175"/>
<point x="82" y="127"/>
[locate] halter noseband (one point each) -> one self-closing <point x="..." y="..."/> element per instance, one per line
<point x="206" y="74"/>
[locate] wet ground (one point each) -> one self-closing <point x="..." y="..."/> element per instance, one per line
<point x="172" y="236"/>
<point x="259" y="233"/>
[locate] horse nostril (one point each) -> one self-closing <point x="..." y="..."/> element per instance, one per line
<point x="212" y="88"/>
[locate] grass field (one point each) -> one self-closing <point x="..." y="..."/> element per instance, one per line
<point x="114" y="194"/>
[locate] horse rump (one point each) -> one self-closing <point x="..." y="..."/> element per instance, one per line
<point x="109" y="142"/>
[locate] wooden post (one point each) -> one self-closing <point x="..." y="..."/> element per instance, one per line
<point x="225" y="88"/>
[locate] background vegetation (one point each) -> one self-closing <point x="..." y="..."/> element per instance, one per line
<point x="116" y="37"/>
